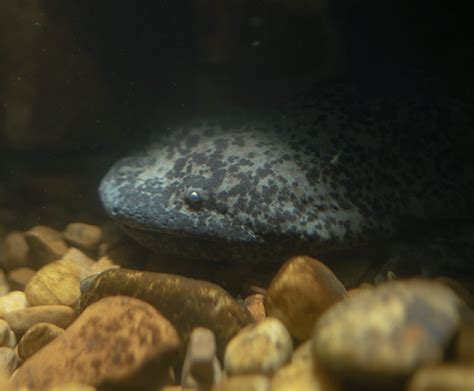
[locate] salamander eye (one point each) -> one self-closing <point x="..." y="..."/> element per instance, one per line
<point x="194" y="199"/>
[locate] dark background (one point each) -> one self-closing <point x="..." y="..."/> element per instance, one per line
<point x="83" y="82"/>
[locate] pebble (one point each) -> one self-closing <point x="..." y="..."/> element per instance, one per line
<point x="85" y="236"/>
<point x="464" y="345"/>
<point x="110" y="342"/>
<point x="22" y="320"/>
<point x="201" y="368"/>
<point x="104" y="263"/>
<point x="46" y="243"/>
<point x="302" y="375"/>
<point x="443" y="377"/>
<point x="254" y="305"/>
<point x="200" y="303"/>
<point x="72" y="387"/>
<point x="303" y="352"/>
<point x="36" y="337"/>
<point x="4" y="286"/>
<point x="384" y="334"/>
<point x="7" y="336"/>
<point x="59" y="282"/>
<point x="8" y="360"/>
<point x="13" y="301"/>
<point x="300" y="292"/>
<point x="18" y="278"/>
<point x="244" y="382"/>
<point x="17" y="251"/>
<point x="80" y="261"/>
<point x="5" y="384"/>
<point x="260" y="348"/>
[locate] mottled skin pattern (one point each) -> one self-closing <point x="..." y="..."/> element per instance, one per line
<point x="333" y="171"/>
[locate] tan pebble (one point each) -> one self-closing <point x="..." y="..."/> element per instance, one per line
<point x="7" y="336"/>
<point x="244" y="382"/>
<point x="55" y="283"/>
<point x="59" y="282"/>
<point x="13" y="301"/>
<point x="8" y="360"/>
<point x="300" y="292"/>
<point x="22" y="320"/>
<point x="5" y="383"/>
<point x="17" y="251"/>
<point x="80" y="263"/>
<point x="366" y="285"/>
<point x="84" y="236"/>
<point x="104" y="263"/>
<point x="443" y="377"/>
<point x="303" y="352"/>
<point x="383" y="334"/>
<point x="261" y="347"/>
<point x="354" y="291"/>
<point x="201" y="368"/>
<point x="4" y="286"/>
<point x="302" y="375"/>
<point x="116" y="340"/>
<point x="36" y="337"/>
<point x="46" y="243"/>
<point x="19" y="277"/>
<point x="72" y="387"/>
<point x="254" y="304"/>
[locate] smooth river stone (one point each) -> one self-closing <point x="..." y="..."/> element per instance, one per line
<point x="116" y="341"/>
<point x="384" y="334"/>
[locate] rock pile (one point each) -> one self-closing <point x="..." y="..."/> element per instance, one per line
<point x="72" y="318"/>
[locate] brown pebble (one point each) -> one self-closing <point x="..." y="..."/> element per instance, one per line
<point x="4" y="286"/>
<point x="36" y="337"/>
<point x="46" y="243"/>
<point x="17" y="251"/>
<point x="464" y="344"/>
<point x="84" y="236"/>
<point x="300" y="292"/>
<point x="254" y="304"/>
<point x="117" y="341"/>
<point x="18" y="278"/>
<point x="22" y="320"/>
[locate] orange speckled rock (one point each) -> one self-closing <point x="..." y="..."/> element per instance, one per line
<point x="111" y="342"/>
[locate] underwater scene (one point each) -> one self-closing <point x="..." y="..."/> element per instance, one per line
<point x="231" y="195"/>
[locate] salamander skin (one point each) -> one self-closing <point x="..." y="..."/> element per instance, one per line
<point x="333" y="170"/>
